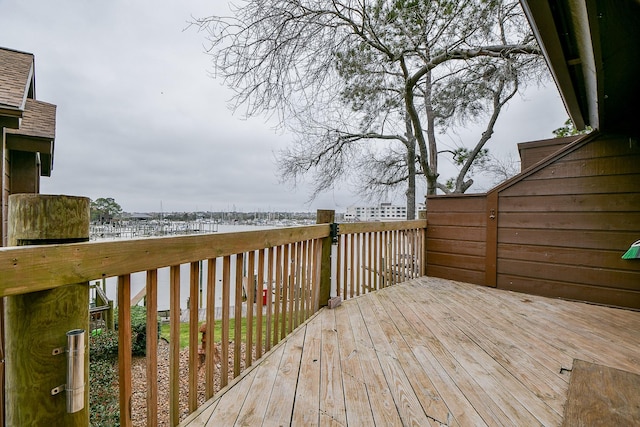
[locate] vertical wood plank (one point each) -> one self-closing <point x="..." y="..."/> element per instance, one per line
<point x="338" y="266"/>
<point x="376" y="265"/>
<point x="269" y="322"/>
<point x="152" y="348"/>
<point x="251" y="295"/>
<point x="259" y="322"/>
<point x="286" y="317"/>
<point x="345" y="266"/>
<point x="174" y="345"/>
<point x="396" y="257"/>
<point x="226" y="286"/>
<point x="310" y="283"/>
<point x="294" y="289"/>
<point x="276" y="311"/>
<point x="386" y="265"/>
<point x="370" y="262"/>
<point x="358" y="265"/>
<point x="352" y="266"/>
<point x="124" y="348"/>
<point x="194" y="275"/>
<point x="304" y="283"/>
<point x="210" y="342"/>
<point x="317" y="277"/>
<point x="423" y="252"/>
<point x="237" y="316"/>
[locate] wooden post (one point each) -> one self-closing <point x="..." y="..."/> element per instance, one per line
<point x="423" y="240"/>
<point x="325" y="217"/>
<point x="36" y="323"/>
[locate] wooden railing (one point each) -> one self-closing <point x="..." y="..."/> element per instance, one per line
<point x="274" y="274"/>
<point x="374" y="255"/>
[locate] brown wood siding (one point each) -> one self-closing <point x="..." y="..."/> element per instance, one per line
<point x="533" y="152"/>
<point x="24" y="172"/>
<point x="456" y="238"/>
<point x="563" y="229"/>
<point x="5" y="190"/>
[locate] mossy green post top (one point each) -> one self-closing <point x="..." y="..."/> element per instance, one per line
<point x="52" y="217"/>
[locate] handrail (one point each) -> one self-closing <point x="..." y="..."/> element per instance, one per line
<point x="36" y="268"/>
<point x="286" y="262"/>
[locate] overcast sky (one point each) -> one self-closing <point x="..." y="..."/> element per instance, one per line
<point x="140" y="118"/>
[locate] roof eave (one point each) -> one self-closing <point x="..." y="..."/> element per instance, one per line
<point x="544" y="28"/>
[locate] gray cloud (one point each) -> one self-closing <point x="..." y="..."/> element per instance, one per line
<point x="141" y="120"/>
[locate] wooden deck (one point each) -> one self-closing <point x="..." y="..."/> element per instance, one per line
<point x="429" y="352"/>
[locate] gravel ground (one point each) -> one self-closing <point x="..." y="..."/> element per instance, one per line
<point x="139" y="383"/>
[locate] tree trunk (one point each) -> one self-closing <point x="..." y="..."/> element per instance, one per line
<point x="411" y="173"/>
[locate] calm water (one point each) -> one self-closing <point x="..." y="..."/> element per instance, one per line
<point x="138" y="279"/>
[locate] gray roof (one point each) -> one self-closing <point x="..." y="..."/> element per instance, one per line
<point x="16" y="77"/>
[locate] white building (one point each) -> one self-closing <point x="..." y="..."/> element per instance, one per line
<point x="382" y="212"/>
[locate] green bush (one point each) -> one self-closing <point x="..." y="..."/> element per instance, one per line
<point x="104" y="346"/>
<point x="103" y="368"/>
<point x="138" y="330"/>
<point x="103" y="378"/>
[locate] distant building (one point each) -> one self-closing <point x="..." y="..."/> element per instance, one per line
<point x="382" y="212"/>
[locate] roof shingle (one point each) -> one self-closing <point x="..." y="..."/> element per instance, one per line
<point x="16" y="72"/>
<point x="38" y="120"/>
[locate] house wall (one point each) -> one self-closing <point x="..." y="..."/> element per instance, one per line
<point x="25" y="172"/>
<point x="563" y="229"/>
<point x="456" y="237"/>
<point x="535" y="151"/>
<point x="558" y="229"/>
<point x="5" y="186"/>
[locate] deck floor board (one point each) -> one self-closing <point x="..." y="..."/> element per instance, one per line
<point x="429" y="352"/>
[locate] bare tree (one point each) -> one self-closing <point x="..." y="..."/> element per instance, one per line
<point x="346" y="75"/>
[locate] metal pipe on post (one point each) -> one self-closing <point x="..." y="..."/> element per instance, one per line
<point x="40" y="326"/>
<point x="325" y="217"/>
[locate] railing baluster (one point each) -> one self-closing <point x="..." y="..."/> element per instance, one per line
<point x="237" y="336"/>
<point x="210" y="340"/>
<point x="345" y="265"/>
<point x="174" y="345"/>
<point x="286" y="317"/>
<point x="194" y="275"/>
<point x="376" y="259"/>
<point x="315" y="297"/>
<point x="394" y="250"/>
<point x="224" y="360"/>
<point x="267" y="341"/>
<point x="293" y="286"/>
<point x="370" y="286"/>
<point x="276" y="315"/>
<point x="124" y="348"/>
<point x="152" y="348"/>
<point x="251" y="295"/>
<point x="260" y="286"/>
<point x="358" y="263"/>
<point x="352" y="265"/>
<point x="338" y="266"/>
<point x="300" y="286"/>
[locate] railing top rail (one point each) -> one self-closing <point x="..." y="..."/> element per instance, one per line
<point x="375" y="226"/>
<point x="27" y="269"/>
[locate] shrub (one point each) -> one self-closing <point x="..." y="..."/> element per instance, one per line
<point x="104" y="407"/>
<point x="104" y="346"/>
<point x="138" y="330"/>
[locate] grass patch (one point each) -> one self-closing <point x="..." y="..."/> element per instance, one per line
<point x="217" y="331"/>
